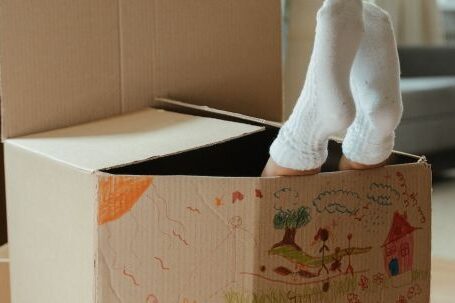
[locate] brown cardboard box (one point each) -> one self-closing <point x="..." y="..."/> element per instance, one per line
<point x="4" y="275"/>
<point x="159" y="201"/>
<point x="134" y="209"/>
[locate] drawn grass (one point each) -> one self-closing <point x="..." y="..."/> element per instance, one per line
<point x="314" y="293"/>
<point x="296" y="256"/>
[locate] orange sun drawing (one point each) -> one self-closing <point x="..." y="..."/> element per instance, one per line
<point x="117" y="195"/>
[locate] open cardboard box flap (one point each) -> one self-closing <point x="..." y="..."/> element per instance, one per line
<point x="131" y="138"/>
<point x="67" y="62"/>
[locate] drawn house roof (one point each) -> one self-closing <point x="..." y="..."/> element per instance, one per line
<point x="400" y="228"/>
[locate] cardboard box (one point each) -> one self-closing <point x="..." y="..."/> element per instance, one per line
<point x="160" y="201"/>
<point x="4" y="275"/>
<point x="134" y="209"/>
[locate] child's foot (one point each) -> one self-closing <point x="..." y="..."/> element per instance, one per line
<point x="346" y="164"/>
<point x="272" y="169"/>
<point x="375" y="81"/>
<point x="325" y="106"/>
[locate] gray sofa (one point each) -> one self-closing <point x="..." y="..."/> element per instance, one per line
<point x="428" y="87"/>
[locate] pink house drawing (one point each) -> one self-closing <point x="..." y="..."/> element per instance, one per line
<point x="399" y="246"/>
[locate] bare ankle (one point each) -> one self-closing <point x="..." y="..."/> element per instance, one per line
<point x="272" y="169"/>
<point x="346" y="164"/>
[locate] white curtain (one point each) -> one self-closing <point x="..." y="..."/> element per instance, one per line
<point x="416" y="22"/>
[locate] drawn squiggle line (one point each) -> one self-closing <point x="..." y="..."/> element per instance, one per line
<point x="109" y="276"/>
<point x="180" y="238"/>
<point x="161" y="263"/>
<point x="158" y="215"/>
<point x="195" y="210"/>
<point x="166" y="208"/>
<point x="131" y="276"/>
<point x="114" y="252"/>
<point x="158" y="220"/>
<point x="251" y="235"/>
<point x="150" y="298"/>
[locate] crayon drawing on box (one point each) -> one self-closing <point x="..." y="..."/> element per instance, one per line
<point x="218" y="241"/>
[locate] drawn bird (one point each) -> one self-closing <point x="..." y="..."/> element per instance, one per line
<point x="218" y="202"/>
<point x="237" y="196"/>
<point x="258" y="194"/>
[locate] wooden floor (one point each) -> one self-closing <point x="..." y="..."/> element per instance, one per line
<point x="443" y="281"/>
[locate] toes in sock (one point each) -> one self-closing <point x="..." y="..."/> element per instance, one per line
<point x="375" y="82"/>
<point x="325" y="106"/>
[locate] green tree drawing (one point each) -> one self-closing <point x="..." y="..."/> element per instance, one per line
<point x="290" y="220"/>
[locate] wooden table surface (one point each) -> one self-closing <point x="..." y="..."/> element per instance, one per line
<point x="443" y="281"/>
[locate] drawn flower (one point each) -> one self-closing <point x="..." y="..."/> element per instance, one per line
<point x="258" y="193"/>
<point x="218" y="201"/>
<point x="353" y="298"/>
<point x="363" y="283"/>
<point x="418" y="290"/>
<point x="237" y="196"/>
<point x="401" y="299"/>
<point x="379" y="278"/>
<point x="414" y="291"/>
<point x="411" y="292"/>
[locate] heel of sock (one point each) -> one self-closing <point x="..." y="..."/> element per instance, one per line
<point x="285" y="154"/>
<point x="366" y="148"/>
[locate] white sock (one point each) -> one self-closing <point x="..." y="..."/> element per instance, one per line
<point x="325" y="106"/>
<point x="375" y="82"/>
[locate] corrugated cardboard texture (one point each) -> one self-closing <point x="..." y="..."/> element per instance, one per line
<point x="4" y="275"/>
<point x="354" y="236"/>
<point x="131" y="138"/>
<point x="67" y="62"/>
<point x="50" y="216"/>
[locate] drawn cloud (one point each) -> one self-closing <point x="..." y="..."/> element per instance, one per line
<point x="382" y="194"/>
<point x="338" y="202"/>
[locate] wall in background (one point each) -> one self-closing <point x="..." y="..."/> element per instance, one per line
<point x="448" y="11"/>
<point x="3" y="232"/>
<point x="416" y="22"/>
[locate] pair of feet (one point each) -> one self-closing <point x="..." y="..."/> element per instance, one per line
<point x="352" y="86"/>
<point x="273" y="169"/>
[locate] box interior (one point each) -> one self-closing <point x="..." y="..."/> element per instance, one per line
<point x="242" y="157"/>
